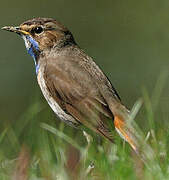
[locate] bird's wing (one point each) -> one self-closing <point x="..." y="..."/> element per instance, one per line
<point x="77" y="92"/>
<point x="84" y="92"/>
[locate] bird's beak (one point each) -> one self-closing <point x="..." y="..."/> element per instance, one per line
<point x="17" y="30"/>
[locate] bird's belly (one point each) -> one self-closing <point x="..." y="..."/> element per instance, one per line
<point x="52" y="103"/>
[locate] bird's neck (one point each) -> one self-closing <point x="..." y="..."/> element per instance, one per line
<point x="66" y="41"/>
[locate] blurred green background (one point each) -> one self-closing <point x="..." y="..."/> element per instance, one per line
<point x="128" y="39"/>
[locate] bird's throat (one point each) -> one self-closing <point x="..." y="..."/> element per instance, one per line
<point x="32" y="47"/>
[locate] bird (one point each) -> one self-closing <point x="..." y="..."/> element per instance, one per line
<point x="75" y="87"/>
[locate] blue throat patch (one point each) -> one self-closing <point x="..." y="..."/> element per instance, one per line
<point x="33" y="49"/>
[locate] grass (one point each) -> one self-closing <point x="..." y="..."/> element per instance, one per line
<point x="37" y="147"/>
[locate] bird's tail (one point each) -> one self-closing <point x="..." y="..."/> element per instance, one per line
<point x="126" y="132"/>
<point x="131" y="133"/>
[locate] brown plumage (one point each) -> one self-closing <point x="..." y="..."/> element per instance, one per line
<point x="75" y="87"/>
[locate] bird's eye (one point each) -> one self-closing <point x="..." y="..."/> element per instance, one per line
<point x="37" y="30"/>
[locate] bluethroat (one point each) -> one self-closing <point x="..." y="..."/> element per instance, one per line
<point x="74" y="86"/>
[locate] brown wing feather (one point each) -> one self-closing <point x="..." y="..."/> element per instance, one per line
<point x="78" y="93"/>
<point x="83" y="91"/>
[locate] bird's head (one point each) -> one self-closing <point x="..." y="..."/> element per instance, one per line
<point x="42" y="34"/>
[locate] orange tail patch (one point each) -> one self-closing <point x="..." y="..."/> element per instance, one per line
<point x="124" y="131"/>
